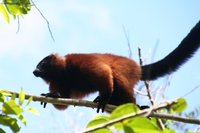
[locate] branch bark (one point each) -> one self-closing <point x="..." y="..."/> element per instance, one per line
<point x="63" y="101"/>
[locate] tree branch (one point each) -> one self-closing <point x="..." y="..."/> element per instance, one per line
<point x="63" y="101"/>
<point x="128" y="42"/>
<point x="175" y="118"/>
<point x="109" y="108"/>
<point x="159" y="122"/>
<point x="147" y="113"/>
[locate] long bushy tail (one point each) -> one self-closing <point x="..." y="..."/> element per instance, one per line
<point x="176" y="58"/>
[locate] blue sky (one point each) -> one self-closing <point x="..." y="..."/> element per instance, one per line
<point x="95" y="26"/>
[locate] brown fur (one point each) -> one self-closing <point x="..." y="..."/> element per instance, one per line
<point x="77" y="75"/>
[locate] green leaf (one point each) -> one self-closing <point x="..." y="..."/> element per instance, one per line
<point x="127" y="129"/>
<point x="118" y="126"/>
<point x="142" y="125"/>
<point x="1" y="98"/>
<point x="22" y="119"/>
<point x="97" y="121"/>
<point x="10" y="122"/>
<point x="4" y="13"/>
<point x="101" y="117"/>
<point x="179" y="106"/>
<point x="13" y="97"/>
<point x="103" y="130"/>
<point x="5" y="93"/>
<point x="18" y="7"/>
<point x="124" y="110"/>
<point x="29" y="100"/>
<point x="21" y="97"/>
<point x="33" y="111"/>
<point x="169" y="131"/>
<point x="2" y="131"/>
<point x="10" y="107"/>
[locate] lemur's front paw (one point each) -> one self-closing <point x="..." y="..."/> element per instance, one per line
<point x="52" y="95"/>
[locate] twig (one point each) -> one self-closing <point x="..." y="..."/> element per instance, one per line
<point x="149" y="92"/>
<point x="145" y="82"/>
<point x="63" y="101"/>
<point x="191" y="91"/>
<point x="161" y="125"/>
<point x="140" y="56"/>
<point x="139" y="92"/>
<point x="128" y="42"/>
<point x="48" y="24"/>
<point x="155" y="50"/>
<point x="18" y="25"/>
<point x="175" y="117"/>
<point x="159" y="122"/>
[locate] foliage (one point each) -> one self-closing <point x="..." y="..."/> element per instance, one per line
<point x="137" y="124"/>
<point x="12" y="110"/>
<point x="14" y="8"/>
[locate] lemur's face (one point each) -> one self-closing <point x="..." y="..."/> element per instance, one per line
<point x="44" y="69"/>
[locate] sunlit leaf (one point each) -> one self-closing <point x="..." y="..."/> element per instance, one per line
<point x="103" y="130"/>
<point x="10" y="107"/>
<point x="118" y="126"/>
<point x="124" y="110"/>
<point x="179" y="106"/>
<point x="4" y="13"/>
<point x="1" y="97"/>
<point x="13" y="97"/>
<point x="96" y="122"/>
<point x="33" y="111"/>
<point x="22" y="119"/>
<point x="171" y="131"/>
<point x="10" y="122"/>
<point x="21" y="97"/>
<point x="29" y="100"/>
<point x="5" y="93"/>
<point x="18" y="7"/>
<point x="127" y="129"/>
<point x="101" y="117"/>
<point x="142" y="125"/>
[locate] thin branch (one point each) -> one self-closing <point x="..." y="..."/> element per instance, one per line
<point x="149" y="92"/>
<point x="191" y="91"/>
<point x="140" y="92"/>
<point x="63" y="101"/>
<point x="145" y="82"/>
<point x="128" y="42"/>
<point x="159" y="122"/>
<point x="155" y="50"/>
<point x="140" y="56"/>
<point x="18" y="25"/>
<point x="24" y="3"/>
<point x="176" y="118"/>
<point x="48" y="24"/>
